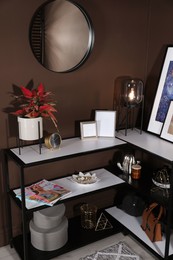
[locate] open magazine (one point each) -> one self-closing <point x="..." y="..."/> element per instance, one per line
<point x="43" y="193"/>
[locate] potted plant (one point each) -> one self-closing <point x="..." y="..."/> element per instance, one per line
<point x="34" y="105"/>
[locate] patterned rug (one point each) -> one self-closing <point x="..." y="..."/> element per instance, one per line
<point x="120" y="251"/>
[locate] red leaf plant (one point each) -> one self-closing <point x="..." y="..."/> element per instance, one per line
<point x="36" y="102"/>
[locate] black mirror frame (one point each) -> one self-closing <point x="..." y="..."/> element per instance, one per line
<point x="90" y="42"/>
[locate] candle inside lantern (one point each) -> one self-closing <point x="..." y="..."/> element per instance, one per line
<point x="131" y="94"/>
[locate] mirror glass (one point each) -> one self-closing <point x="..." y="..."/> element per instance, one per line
<point x="61" y="35"/>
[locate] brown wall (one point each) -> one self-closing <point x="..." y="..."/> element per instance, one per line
<point x="131" y="37"/>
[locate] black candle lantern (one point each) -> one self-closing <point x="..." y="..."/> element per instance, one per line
<point x="131" y="97"/>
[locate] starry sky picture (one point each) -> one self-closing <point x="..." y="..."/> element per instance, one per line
<point x="167" y="95"/>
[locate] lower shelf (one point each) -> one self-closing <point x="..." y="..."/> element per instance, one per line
<point x="77" y="238"/>
<point x="133" y="224"/>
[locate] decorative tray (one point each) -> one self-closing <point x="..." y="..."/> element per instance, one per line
<point x="85" y="178"/>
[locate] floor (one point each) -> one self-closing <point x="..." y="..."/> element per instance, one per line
<point x="6" y="253"/>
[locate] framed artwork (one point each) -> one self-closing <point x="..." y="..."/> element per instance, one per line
<point x="167" y="130"/>
<point x="88" y="129"/>
<point x="105" y="123"/>
<point x="163" y="96"/>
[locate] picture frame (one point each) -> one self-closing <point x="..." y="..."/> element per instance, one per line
<point x="88" y="129"/>
<point x="167" y="130"/>
<point x="106" y="123"/>
<point x="163" y="96"/>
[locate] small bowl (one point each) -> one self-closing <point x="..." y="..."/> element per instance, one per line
<point x="85" y="178"/>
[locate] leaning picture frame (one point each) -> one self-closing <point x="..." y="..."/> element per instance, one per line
<point x="88" y="129"/>
<point x="163" y="96"/>
<point x="167" y="130"/>
<point x="106" y="123"/>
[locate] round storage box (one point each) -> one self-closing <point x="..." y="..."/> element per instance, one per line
<point x="50" y="217"/>
<point x="48" y="240"/>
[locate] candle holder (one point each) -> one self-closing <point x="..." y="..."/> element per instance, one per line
<point x="131" y="98"/>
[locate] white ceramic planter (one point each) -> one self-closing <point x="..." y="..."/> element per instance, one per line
<point x="29" y="128"/>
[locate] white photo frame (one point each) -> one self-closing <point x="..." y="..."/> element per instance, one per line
<point x="163" y="96"/>
<point x="106" y="123"/>
<point x="88" y="129"/>
<point x="167" y="130"/>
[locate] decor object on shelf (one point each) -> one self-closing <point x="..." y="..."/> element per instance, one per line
<point x="161" y="181"/>
<point x="151" y="223"/>
<point x="163" y="96"/>
<point x="131" y="97"/>
<point x="35" y="103"/>
<point x="88" y="216"/>
<point x="161" y="178"/>
<point x="85" y="178"/>
<point x="136" y="171"/>
<point x="53" y="141"/>
<point x="30" y="128"/>
<point x="103" y="223"/>
<point x="49" y="217"/>
<point x="88" y="129"/>
<point x="127" y="163"/>
<point x="43" y="193"/>
<point x="49" y="228"/>
<point x="133" y="204"/>
<point x="106" y="123"/>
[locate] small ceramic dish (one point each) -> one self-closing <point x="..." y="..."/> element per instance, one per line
<point x="85" y="178"/>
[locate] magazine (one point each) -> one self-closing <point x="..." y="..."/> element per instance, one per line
<point x="43" y="192"/>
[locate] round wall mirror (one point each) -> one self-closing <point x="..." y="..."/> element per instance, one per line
<point x="61" y="35"/>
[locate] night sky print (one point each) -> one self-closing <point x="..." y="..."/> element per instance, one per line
<point x="167" y="95"/>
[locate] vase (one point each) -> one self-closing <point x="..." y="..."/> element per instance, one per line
<point x="30" y="128"/>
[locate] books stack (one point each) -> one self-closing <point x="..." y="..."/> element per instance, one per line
<point x="42" y="193"/>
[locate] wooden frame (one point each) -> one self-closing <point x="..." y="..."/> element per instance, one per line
<point x="163" y="96"/>
<point x="88" y="129"/>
